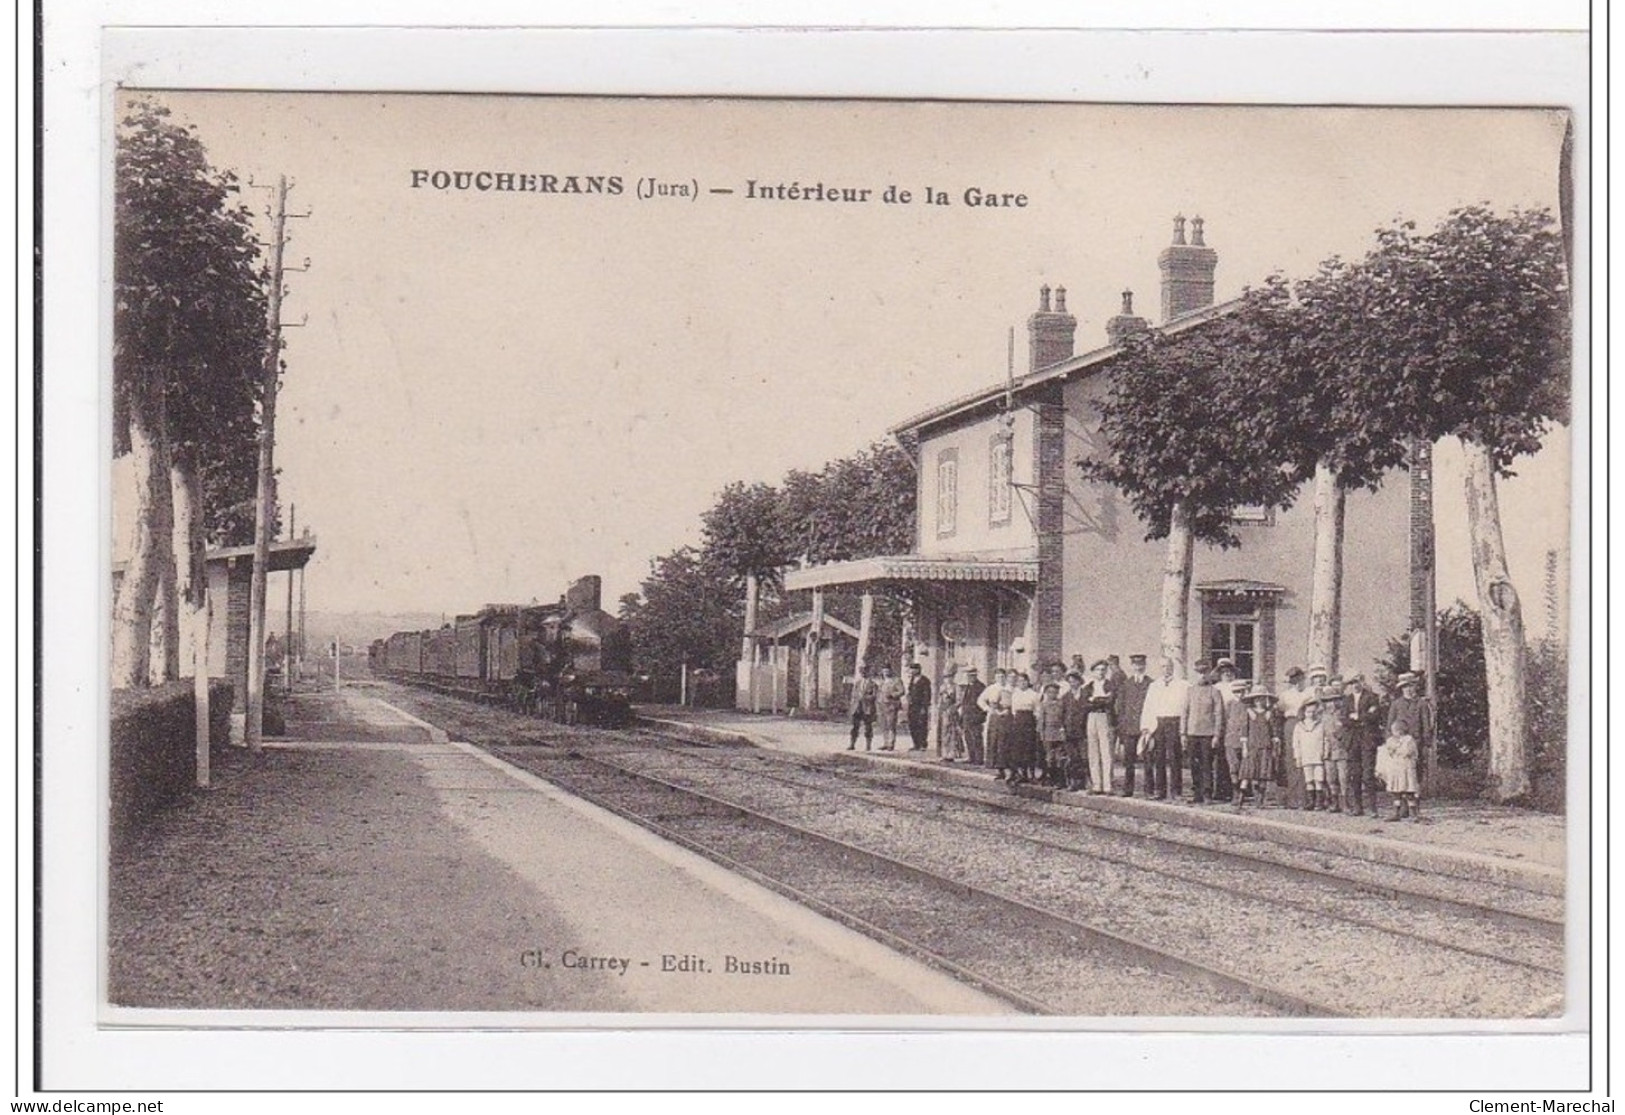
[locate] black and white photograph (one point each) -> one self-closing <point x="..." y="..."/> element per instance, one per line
<point x="840" y="561"/>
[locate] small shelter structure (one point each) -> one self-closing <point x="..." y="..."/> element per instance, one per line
<point x="794" y="663"/>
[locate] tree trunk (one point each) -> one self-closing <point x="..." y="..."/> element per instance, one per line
<point x="1326" y="581"/>
<point x="866" y="626"/>
<point x="1504" y="649"/>
<point x="191" y="572"/>
<point x="138" y="590"/>
<point x="753" y="591"/>
<point x="1176" y="587"/>
<point x="171" y="615"/>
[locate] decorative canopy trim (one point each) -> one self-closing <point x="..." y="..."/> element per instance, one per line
<point x="908" y="567"/>
<point x="1241" y="587"/>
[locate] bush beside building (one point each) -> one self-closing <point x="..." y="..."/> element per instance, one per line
<point x="154" y="748"/>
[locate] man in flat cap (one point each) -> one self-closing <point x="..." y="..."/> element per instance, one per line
<point x="1204" y="722"/>
<point x="1130" y="705"/>
<point x="1363" y="717"/>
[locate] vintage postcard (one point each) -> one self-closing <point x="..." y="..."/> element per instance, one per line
<point x="839" y="562"/>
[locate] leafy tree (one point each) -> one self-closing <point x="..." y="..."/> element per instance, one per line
<point x="1326" y="409"/>
<point x="189" y="335"/>
<point x="687" y="612"/>
<point x="1473" y="327"/>
<point x="1186" y="446"/>
<point x="743" y="532"/>
<point x="855" y="507"/>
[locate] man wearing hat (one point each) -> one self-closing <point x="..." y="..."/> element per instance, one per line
<point x="1130" y="706"/>
<point x="1101" y="696"/>
<point x="1362" y="717"/>
<point x="1163" y="720"/>
<point x="1204" y="722"/>
<point x="919" y="707"/>
<point x="1075" y="728"/>
<point x="971" y="716"/>
<point x="1335" y="717"/>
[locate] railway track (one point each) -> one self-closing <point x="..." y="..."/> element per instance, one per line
<point x="1353" y="901"/>
<point x="1035" y="959"/>
<point x="1496" y="905"/>
<point x="1123" y="895"/>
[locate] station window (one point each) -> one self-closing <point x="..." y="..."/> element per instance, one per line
<point x="947" y="492"/>
<point x="1001" y="461"/>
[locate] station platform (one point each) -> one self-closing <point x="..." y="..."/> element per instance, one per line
<point x="1497" y="844"/>
<point x="366" y="862"/>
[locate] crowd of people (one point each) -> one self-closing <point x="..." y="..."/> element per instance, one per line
<point x="1322" y="743"/>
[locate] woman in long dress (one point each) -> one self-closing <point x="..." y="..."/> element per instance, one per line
<point x="1022" y="748"/>
<point x="1260" y="747"/>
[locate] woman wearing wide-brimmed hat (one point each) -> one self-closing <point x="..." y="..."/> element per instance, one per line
<point x="1260" y="747"/>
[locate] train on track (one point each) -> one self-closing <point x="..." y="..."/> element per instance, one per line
<point x="570" y="661"/>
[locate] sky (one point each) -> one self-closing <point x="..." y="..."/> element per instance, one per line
<point x="494" y="392"/>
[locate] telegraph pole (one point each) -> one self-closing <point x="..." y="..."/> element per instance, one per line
<point x="263" y="511"/>
<point x="287" y="629"/>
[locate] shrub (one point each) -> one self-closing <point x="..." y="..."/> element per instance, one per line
<point x="1463" y="715"/>
<point x="1462" y="719"/>
<point x="154" y="750"/>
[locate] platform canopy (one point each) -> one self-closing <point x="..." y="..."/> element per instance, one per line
<point x="292" y="553"/>
<point x="876" y="572"/>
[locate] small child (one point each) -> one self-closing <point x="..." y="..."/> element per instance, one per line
<point x="1052" y="735"/>
<point x="1309" y="749"/>
<point x="1337" y="746"/>
<point x="1396" y="766"/>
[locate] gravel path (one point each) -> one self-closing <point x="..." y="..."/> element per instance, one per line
<point x="251" y="895"/>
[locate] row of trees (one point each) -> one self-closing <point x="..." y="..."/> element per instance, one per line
<point x="692" y="605"/>
<point x="1459" y="333"/>
<point x="189" y="344"/>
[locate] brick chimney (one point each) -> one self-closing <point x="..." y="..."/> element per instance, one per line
<point x="1125" y="324"/>
<point x="585" y="595"/>
<point x="1050" y="332"/>
<point x="1187" y="272"/>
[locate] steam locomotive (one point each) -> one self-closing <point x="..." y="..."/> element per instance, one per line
<point x="570" y="661"/>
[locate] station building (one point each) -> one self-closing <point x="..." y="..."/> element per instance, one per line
<point x="1018" y="561"/>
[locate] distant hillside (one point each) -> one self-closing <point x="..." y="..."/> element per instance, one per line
<point x="358" y="628"/>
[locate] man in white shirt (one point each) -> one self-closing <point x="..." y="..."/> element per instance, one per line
<point x="1162" y="724"/>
